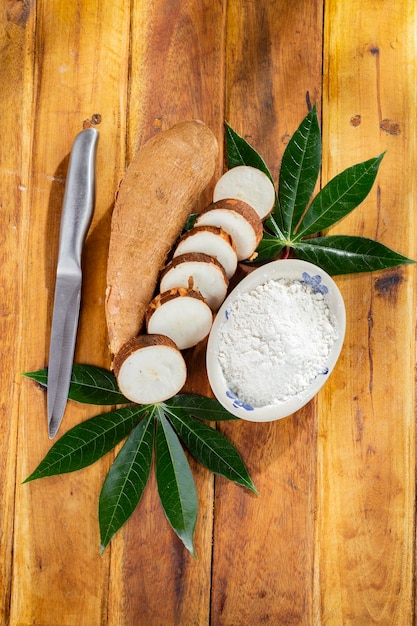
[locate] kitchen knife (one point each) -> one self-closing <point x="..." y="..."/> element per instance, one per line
<point x="77" y="212"/>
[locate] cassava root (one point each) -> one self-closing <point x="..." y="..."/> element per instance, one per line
<point x="160" y="189"/>
<point x="248" y="184"/>
<point x="199" y="271"/>
<point x="238" y="219"/>
<point x="181" y="314"/>
<point x="158" y="193"/>
<point x="213" y="241"/>
<point x="149" y="369"/>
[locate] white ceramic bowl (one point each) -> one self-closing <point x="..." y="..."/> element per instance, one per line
<point x="293" y="269"/>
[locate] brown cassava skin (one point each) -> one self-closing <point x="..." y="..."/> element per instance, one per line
<point x="239" y="206"/>
<point x="160" y="299"/>
<point x="156" y="196"/>
<point x="137" y="343"/>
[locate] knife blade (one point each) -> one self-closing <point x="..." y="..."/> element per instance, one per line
<point x="77" y="212"/>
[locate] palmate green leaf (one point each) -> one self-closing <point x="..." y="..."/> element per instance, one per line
<point x="268" y="249"/>
<point x="271" y="226"/>
<point x="300" y="168"/>
<point x="211" y="448"/>
<point x="344" y="254"/>
<point x="175" y="481"/>
<point x="88" y="441"/>
<point x="339" y="196"/>
<point x="240" y="152"/>
<point x="126" y="480"/>
<point x="89" y="385"/>
<point x="199" y="406"/>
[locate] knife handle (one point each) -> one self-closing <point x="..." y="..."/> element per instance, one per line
<point x="78" y="205"/>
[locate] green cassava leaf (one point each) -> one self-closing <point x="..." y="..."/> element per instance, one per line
<point x="211" y="448"/>
<point x="240" y="152"/>
<point x="272" y="226"/>
<point x="88" y="441"/>
<point x="190" y="222"/>
<point x="340" y="196"/>
<point x="269" y="247"/>
<point x="175" y="481"/>
<point x="344" y="254"/>
<point x="199" y="406"/>
<point x="89" y="385"/>
<point x="300" y="168"/>
<point x="126" y="480"/>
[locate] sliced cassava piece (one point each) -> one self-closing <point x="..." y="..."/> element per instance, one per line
<point x="213" y="241"/>
<point x="149" y="369"/>
<point x="157" y="194"/>
<point x="238" y="219"/>
<point x="248" y="184"/>
<point x="199" y="271"/>
<point x="181" y="314"/>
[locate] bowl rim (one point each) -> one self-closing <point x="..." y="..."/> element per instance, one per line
<point x="282" y="268"/>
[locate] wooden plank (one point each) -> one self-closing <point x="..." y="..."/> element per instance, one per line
<point x="263" y="549"/>
<point x="176" y="73"/>
<point x="293" y="555"/>
<point x="177" y="68"/>
<point x="365" y="534"/>
<point x="16" y="43"/>
<point x="81" y="49"/>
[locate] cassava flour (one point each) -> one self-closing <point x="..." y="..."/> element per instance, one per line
<point x="276" y="341"/>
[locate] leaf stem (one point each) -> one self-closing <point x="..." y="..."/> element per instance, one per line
<point x="272" y="224"/>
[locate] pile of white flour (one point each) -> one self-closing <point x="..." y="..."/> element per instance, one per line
<point x="276" y="341"/>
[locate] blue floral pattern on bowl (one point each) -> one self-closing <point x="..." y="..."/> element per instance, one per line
<point x="314" y="282"/>
<point x="238" y="404"/>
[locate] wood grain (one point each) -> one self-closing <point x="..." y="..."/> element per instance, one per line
<point x="263" y="549"/>
<point x="16" y="32"/>
<point x="78" y="74"/>
<point x="330" y="538"/>
<point x="366" y="427"/>
<point x="176" y="73"/>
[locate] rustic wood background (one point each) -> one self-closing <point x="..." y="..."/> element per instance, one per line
<point x="331" y="538"/>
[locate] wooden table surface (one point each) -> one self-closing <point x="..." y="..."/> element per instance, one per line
<point x="330" y="538"/>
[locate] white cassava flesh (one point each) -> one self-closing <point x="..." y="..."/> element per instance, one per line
<point x="150" y="369"/>
<point x="238" y="219"/>
<point x="198" y="271"/>
<point x="161" y="187"/>
<point x="181" y="314"/>
<point x="248" y="184"/>
<point x="213" y="241"/>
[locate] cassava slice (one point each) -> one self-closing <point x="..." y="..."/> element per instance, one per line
<point x="181" y="314"/>
<point x="248" y="184"/>
<point x="158" y="192"/>
<point x="199" y="271"/>
<point x="213" y="241"/>
<point x="149" y="369"/>
<point x="238" y="219"/>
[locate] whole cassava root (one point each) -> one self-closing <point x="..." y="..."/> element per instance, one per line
<point x="157" y="194"/>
